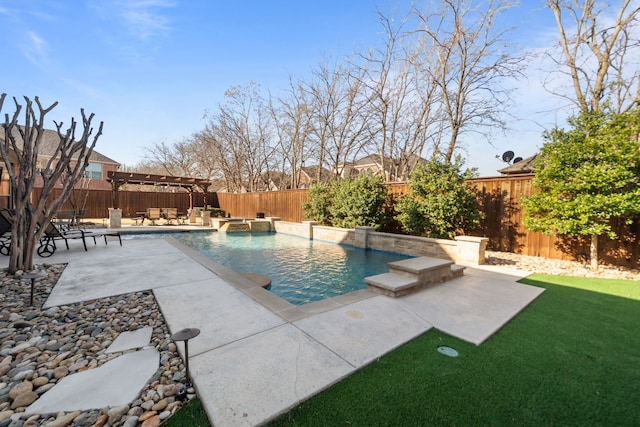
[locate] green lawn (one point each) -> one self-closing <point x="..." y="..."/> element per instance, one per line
<point x="572" y="357"/>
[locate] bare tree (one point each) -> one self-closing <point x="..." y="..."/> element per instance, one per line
<point x="177" y="159"/>
<point x="340" y="116"/>
<point x="403" y="100"/>
<point x="240" y="135"/>
<point x="469" y="58"/>
<point x="293" y="124"/>
<point x="20" y="147"/>
<point x="599" y="53"/>
<point x="190" y="157"/>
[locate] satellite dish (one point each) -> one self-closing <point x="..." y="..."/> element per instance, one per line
<point x="517" y="159"/>
<point x="507" y="156"/>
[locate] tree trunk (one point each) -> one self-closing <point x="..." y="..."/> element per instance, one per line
<point x="594" y="251"/>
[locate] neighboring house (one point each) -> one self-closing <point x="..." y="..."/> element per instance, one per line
<point x="95" y="175"/>
<point x="309" y="175"/>
<point x="523" y="166"/>
<point x="274" y="181"/>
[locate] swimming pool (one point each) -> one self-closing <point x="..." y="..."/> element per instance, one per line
<point x="301" y="270"/>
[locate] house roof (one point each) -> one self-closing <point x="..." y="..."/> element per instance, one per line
<point x="371" y="159"/>
<point x="312" y="171"/>
<point x="523" y="166"/>
<point x="50" y="142"/>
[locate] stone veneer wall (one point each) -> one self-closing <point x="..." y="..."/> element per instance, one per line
<point x="464" y="250"/>
<point x="304" y="229"/>
<point x="334" y="234"/>
<point x="413" y="245"/>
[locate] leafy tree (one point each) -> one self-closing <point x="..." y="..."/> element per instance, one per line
<point x="317" y="208"/>
<point x="587" y="175"/>
<point x="358" y="201"/>
<point x="439" y="203"/>
<point x="19" y="148"/>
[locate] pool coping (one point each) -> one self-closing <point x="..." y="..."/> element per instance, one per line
<point x="287" y="311"/>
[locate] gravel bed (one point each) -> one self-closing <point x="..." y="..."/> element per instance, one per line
<point x="554" y="266"/>
<point x="41" y="347"/>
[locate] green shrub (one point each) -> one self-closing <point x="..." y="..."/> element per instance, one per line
<point x="348" y="203"/>
<point x="358" y="201"/>
<point x="317" y="208"/>
<point x="439" y="203"/>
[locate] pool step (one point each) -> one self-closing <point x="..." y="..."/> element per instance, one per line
<point x="413" y="274"/>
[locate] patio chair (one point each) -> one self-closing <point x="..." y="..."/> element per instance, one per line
<point x="153" y="214"/>
<point x="170" y="215"/>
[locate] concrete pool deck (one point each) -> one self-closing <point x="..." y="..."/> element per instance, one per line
<point x="257" y="356"/>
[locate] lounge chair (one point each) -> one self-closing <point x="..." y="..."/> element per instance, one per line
<point x="52" y="233"/>
<point x="5" y="232"/>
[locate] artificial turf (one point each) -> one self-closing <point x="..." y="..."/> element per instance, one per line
<point x="572" y="357"/>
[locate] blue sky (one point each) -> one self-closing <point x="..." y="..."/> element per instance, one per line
<point x="151" y="68"/>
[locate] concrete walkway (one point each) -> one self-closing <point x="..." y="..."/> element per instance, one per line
<point x="257" y="356"/>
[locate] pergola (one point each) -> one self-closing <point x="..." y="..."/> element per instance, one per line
<point x="120" y="178"/>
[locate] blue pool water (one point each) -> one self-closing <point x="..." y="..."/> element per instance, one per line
<point x="301" y="270"/>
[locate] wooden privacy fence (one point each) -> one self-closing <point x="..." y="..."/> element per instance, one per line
<point x="286" y="204"/>
<point x="499" y="199"/>
<point x="98" y="202"/>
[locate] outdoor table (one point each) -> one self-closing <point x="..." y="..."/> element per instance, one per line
<point x="141" y="216"/>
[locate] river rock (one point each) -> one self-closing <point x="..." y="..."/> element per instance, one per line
<point x="19" y="389"/>
<point x="151" y="422"/>
<point x="25" y="399"/>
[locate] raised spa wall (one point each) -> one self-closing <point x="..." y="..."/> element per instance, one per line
<point x="463" y="250"/>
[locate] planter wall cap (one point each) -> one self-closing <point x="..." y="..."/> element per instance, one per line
<point x="471" y="239"/>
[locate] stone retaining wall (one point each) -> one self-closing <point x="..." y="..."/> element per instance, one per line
<point x="463" y="250"/>
<point x="414" y="245"/>
<point x="345" y="236"/>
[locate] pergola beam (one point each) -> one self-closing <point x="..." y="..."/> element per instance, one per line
<point x="120" y="178"/>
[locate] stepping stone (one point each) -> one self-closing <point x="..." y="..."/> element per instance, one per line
<point x="118" y="382"/>
<point x="131" y="339"/>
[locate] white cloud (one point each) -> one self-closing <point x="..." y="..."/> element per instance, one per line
<point x="143" y="18"/>
<point x="35" y="49"/>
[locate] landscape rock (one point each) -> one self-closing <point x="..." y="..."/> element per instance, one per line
<point x="39" y="348"/>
